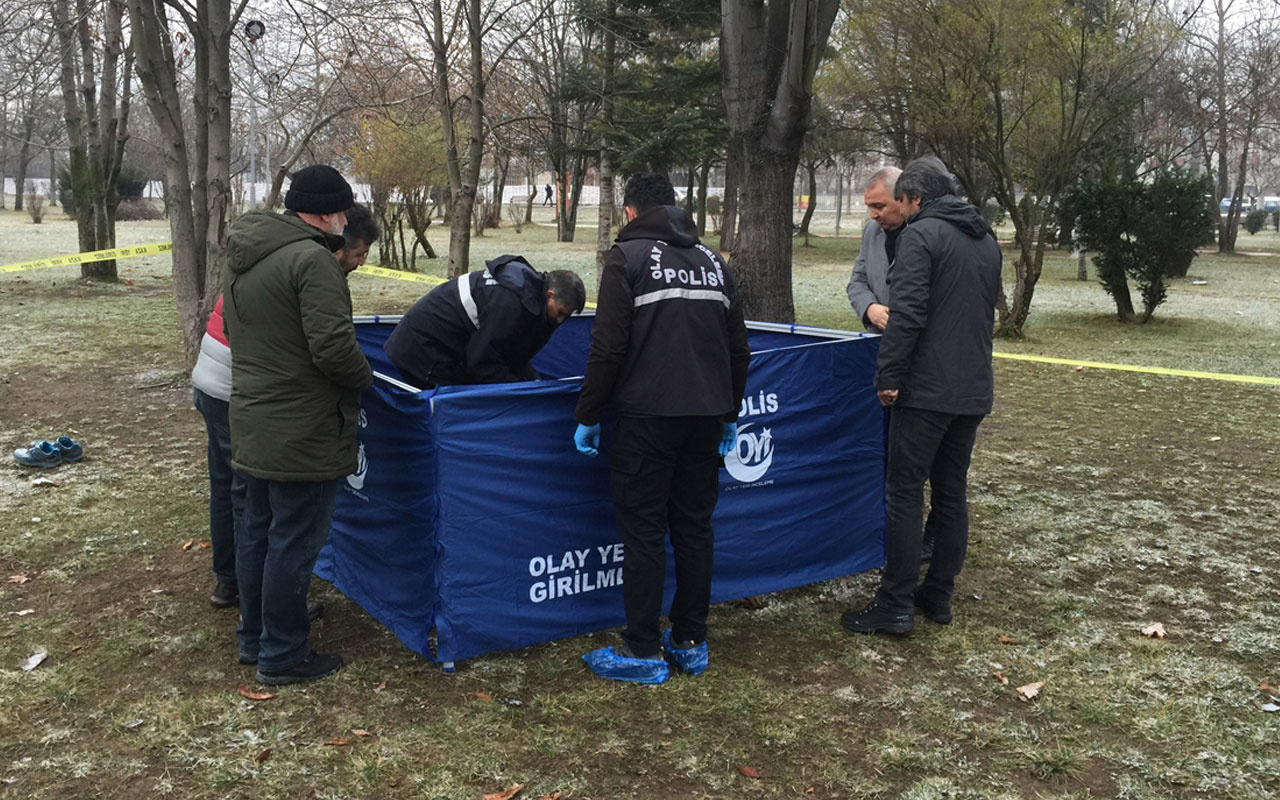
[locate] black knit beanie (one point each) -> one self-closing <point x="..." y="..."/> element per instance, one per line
<point x="318" y="189"/>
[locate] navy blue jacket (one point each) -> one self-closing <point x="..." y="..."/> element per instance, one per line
<point x="669" y="338"/>
<point x="483" y="327"/>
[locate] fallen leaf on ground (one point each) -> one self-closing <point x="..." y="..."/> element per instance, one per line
<point x="1079" y="369"/>
<point x="361" y="732"/>
<point x="23" y="612"/>
<point x="204" y="545"/>
<point x="1007" y="639"/>
<point x="1263" y="686"/>
<point x="189" y="544"/>
<point x="340" y="742"/>
<point x="263" y="756"/>
<point x="249" y="694"/>
<point x="1269" y="707"/>
<point x="1030" y="690"/>
<point x="44" y="482"/>
<point x="32" y="661"/>
<point x="1000" y="676"/>
<point x="20" y="578"/>
<point x="1155" y="630"/>
<point x="750" y="772"/>
<point x="552" y="796"/>
<point x="1215" y="438"/>
<point x="485" y="696"/>
<point x="809" y="790"/>
<point x="380" y="686"/>
<point x="505" y="795"/>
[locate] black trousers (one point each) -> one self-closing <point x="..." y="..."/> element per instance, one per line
<point x="936" y="447"/>
<point x="665" y="474"/>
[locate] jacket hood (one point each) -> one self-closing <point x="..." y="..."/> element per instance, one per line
<point x="514" y="273"/>
<point x="670" y="224"/>
<point x="257" y="234"/>
<point x="960" y="213"/>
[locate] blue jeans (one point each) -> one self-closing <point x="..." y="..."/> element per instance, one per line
<point x="936" y="447"/>
<point x="226" y="487"/>
<point x="284" y="526"/>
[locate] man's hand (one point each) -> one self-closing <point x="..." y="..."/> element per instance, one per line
<point x="887" y="397"/>
<point x="878" y="315"/>
<point x="728" y="438"/>
<point x="587" y="439"/>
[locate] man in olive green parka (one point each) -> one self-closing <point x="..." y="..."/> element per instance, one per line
<point x="295" y="404"/>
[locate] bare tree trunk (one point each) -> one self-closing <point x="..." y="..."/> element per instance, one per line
<point x="24" y="159"/>
<point x="839" y="199"/>
<point x="604" y="229"/>
<point x="729" y="203"/>
<point x="53" y="177"/>
<point x="812" y="170"/>
<point x="704" y="174"/>
<point x="197" y="211"/>
<point x="769" y="52"/>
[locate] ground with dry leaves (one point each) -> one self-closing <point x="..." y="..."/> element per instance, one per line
<point x="1103" y="503"/>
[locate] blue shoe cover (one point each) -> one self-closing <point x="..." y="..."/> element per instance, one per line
<point x="608" y="663"/>
<point x="693" y="661"/>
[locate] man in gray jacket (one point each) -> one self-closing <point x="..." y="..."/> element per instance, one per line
<point x="869" y="285"/>
<point x="934" y="371"/>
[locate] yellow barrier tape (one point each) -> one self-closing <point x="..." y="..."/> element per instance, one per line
<point x="383" y="272"/>
<point x="1180" y="373"/>
<point x="87" y="258"/>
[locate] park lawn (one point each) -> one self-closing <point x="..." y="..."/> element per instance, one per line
<point x="1102" y="502"/>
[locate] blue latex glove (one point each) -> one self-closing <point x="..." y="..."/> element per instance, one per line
<point x="587" y="439"/>
<point x="728" y="438"/>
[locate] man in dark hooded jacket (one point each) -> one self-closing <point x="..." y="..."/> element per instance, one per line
<point x="669" y="356"/>
<point x="934" y="372"/>
<point x="296" y="380"/>
<point x="484" y="327"/>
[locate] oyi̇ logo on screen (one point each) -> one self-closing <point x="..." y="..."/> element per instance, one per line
<point x="752" y="454"/>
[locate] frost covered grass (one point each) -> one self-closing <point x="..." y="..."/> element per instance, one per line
<point x="1102" y="502"/>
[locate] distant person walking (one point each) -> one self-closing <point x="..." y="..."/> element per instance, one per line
<point x="550" y="195"/>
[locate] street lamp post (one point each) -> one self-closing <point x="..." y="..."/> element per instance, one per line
<point x="253" y="30"/>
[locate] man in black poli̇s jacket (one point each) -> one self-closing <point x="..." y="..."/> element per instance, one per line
<point x="669" y="356"/>
<point x="484" y="327"/>
<point x="934" y="372"/>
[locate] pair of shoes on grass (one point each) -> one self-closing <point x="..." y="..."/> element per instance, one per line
<point x="64" y="450"/>
<point x="620" y="664"/>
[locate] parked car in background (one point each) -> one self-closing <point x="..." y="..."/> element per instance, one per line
<point x="1224" y="206"/>
<point x="1271" y="204"/>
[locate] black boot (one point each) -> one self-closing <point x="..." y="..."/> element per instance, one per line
<point x="224" y="595"/>
<point x="875" y="618"/>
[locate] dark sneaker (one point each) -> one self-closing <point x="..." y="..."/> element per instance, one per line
<point x="689" y="658"/>
<point x="38" y="454"/>
<point x="248" y="658"/>
<point x="938" y="612"/>
<point x="312" y="668"/>
<point x="315" y="610"/>
<point x="619" y="664"/>
<point x="875" y="618"/>
<point x="72" y="450"/>
<point x="224" y="596"/>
